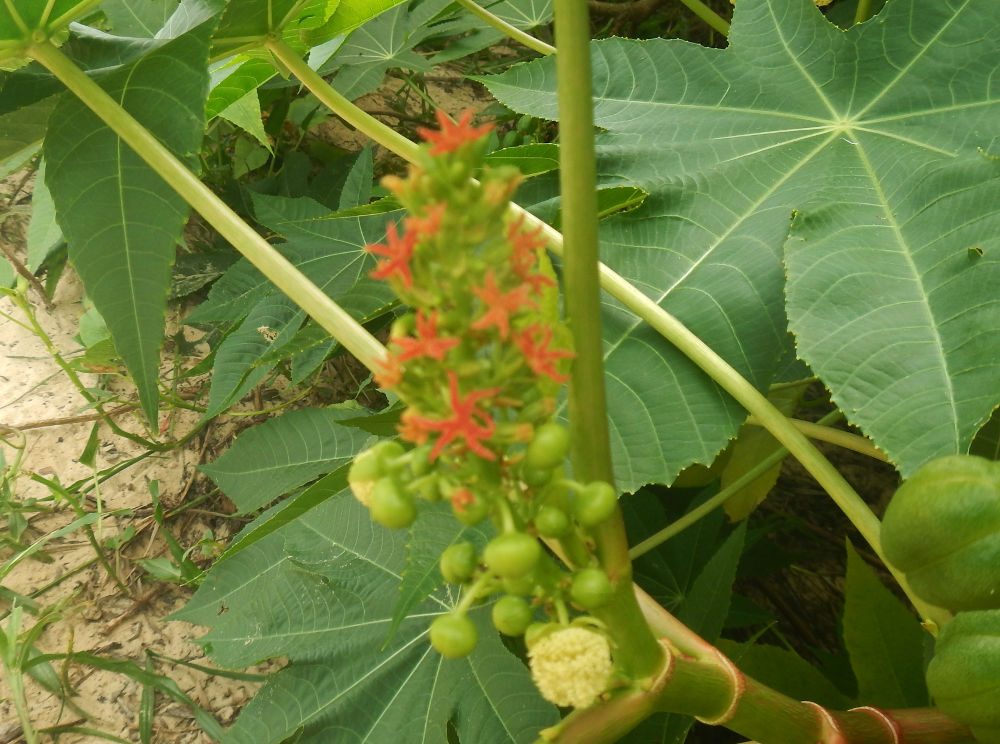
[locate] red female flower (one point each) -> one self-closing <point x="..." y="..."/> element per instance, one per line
<point x="500" y="304"/>
<point x="452" y="136"/>
<point x="534" y="344"/>
<point x="410" y="430"/>
<point x="467" y="421"/>
<point x="398" y="252"/>
<point x="427" y="342"/>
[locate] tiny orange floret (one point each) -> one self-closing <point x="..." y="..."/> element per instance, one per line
<point x="452" y="136"/>
<point x="500" y="305"/>
<point x="398" y="252"/>
<point x="534" y="344"/>
<point x="467" y="421"/>
<point x="427" y="343"/>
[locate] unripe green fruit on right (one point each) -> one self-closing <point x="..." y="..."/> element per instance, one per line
<point x="964" y="675"/>
<point x="942" y="529"/>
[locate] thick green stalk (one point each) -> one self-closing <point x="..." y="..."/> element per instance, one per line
<point x="578" y="188"/>
<point x="638" y="652"/>
<point x="506" y="29"/>
<point x="258" y="251"/>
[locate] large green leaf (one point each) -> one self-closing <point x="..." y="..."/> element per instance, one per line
<point x="21" y="134"/>
<point x="49" y="17"/>
<point x="329" y="610"/>
<point x="142" y="18"/>
<point x="874" y="135"/>
<point x="284" y="452"/>
<point x="883" y="639"/>
<point x="246" y="24"/>
<point x="120" y="219"/>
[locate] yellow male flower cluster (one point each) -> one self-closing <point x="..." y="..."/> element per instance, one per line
<point x="571" y="666"/>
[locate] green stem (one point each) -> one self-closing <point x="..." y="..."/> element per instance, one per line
<point x="708" y="15"/>
<point x="578" y="188"/>
<point x="315" y="84"/>
<point x="505" y="28"/>
<point x="638" y="652"/>
<point x="758" y="470"/>
<point x="824" y="433"/>
<point x="258" y="251"/>
<point x="864" y="11"/>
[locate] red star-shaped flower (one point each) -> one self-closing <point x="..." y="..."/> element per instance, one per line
<point x="500" y="305"/>
<point x="534" y="344"/>
<point x="452" y="136"/>
<point x="467" y="421"/>
<point x="428" y="226"/>
<point x="525" y="253"/>
<point x="426" y="343"/>
<point x="398" y="252"/>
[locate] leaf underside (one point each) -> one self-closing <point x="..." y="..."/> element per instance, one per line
<point x="878" y="140"/>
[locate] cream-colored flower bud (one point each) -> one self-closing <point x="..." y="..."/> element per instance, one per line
<point x="362" y="490"/>
<point x="571" y="666"/>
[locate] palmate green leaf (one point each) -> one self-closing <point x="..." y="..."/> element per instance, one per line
<point x="873" y="135"/>
<point x="884" y="641"/>
<point x="234" y="79"/>
<point x="142" y="18"/>
<point x="21" y="133"/>
<point x="349" y="15"/>
<point x="19" y="18"/>
<point x="269" y="460"/>
<point x="237" y="370"/>
<point x="327" y="248"/>
<point x="328" y="610"/>
<point x="122" y="221"/>
<point x="246" y="23"/>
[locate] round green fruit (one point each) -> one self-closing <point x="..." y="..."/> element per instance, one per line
<point x="512" y="555"/>
<point x="594" y="504"/>
<point x="942" y="529"/>
<point x="469" y="509"/>
<point x="390" y="506"/>
<point x="964" y="675"/>
<point x="512" y="615"/>
<point x="551" y="521"/>
<point x="458" y="562"/>
<point x="387" y="451"/>
<point x="548" y="448"/>
<point x="365" y="467"/>
<point x="591" y="588"/>
<point x="536" y="477"/>
<point x="454" y="636"/>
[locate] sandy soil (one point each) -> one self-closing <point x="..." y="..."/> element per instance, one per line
<point x="95" y="614"/>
